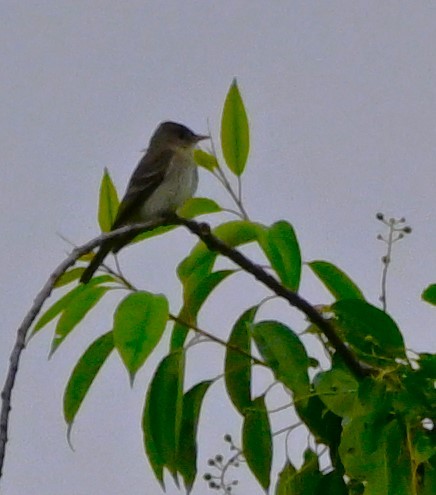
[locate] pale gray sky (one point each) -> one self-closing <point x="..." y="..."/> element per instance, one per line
<point x="341" y="101"/>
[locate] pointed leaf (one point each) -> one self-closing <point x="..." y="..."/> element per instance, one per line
<point x="238" y="366"/>
<point x="84" y="374"/>
<point x="148" y="234"/>
<point x="69" y="276"/>
<point x="74" y="313"/>
<point x="235" y="135"/>
<point x="370" y="331"/>
<point x="285" y="354"/>
<point x="163" y="414"/>
<point x="429" y="294"/>
<point x="57" y="308"/>
<point x="205" y="160"/>
<point x="280" y="245"/>
<point x="257" y="442"/>
<point x="195" y="207"/>
<point x="336" y="281"/>
<point x="108" y="203"/>
<point x="187" y="444"/>
<point x="195" y="293"/>
<point x="139" y="322"/>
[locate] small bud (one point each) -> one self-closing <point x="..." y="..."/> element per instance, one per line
<point x="219" y="458"/>
<point x="380" y="237"/>
<point x="227" y="438"/>
<point x="407" y="229"/>
<point x="211" y="462"/>
<point x="380" y="216"/>
<point x="213" y="485"/>
<point x="400" y="235"/>
<point x="402" y="220"/>
<point x="207" y="477"/>
<point x="384" y="259"/>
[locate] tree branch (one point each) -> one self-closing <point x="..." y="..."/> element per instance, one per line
<point x="42" y="296"/>
<point x="202" y="230"/>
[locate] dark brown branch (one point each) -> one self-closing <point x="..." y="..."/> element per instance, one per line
<point x="202" y="230"/>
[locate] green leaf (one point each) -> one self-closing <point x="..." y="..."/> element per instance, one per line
<point x="424" y="445"/>
<point x="153" y="233"/>
<point x="187" y="444"/>
<point x="237" y="366"/>
<point x="108" y="203"/>
<point x="371" y="332"/>
<point x="322" y="423"/>
<point x="338" y="390"/>
<point x="235" y="135"/>
<point x="200" y="261"/>
<point x="57" y="308"/>
<point x="163" y="414"/>
<point x="195" y="294"/>
<point x="333" y="483"/>
<point x="69" y="276"/>
<point x="427" y="363"/>
<point x="429" y="294"/>
<point x="154" y="456"/>
<point x="77" y="309"/>
<point x="304" y="481"/>
<point x="280" y="245"/>
<point x="195" y="207"/>
<point x="257" y="441"/>
<point x="285" y="480"/>
<point x="205" y="160"/>
<point x="429" y="475"/>
<point x="285" y="355"/>
<point x="87" y="257"/>
<point x="139" y="322"/>
<point x="338" y="283"/>
<point x="385" y="470"/>
<point x="84" y="374"/>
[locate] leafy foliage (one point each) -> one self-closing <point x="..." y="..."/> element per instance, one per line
<point x="108" y="203"/>
<point x="235" y="138"/>
<point x="377" y="426"/>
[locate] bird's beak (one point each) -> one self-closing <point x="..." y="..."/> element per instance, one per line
<point x="201" y="137"/>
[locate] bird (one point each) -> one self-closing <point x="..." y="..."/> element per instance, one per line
<point x="165" y="177"/>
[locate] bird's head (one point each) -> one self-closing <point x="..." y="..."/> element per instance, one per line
<point x="175" y="136"/>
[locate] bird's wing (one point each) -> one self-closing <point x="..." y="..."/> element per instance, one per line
<point x="146" y="178"/>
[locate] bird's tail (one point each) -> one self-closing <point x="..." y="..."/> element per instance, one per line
<point x="95" y="262"/>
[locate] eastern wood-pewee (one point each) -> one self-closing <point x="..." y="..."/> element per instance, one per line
<point x="164" y="179"/>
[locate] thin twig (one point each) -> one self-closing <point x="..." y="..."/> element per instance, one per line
<point x="386" y="263"/>
<point x="396" y="232"/>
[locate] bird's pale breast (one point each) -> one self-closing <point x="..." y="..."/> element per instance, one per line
<point x="180" y="184"/>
